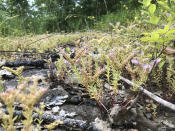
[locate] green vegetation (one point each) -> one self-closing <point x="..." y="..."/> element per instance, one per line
<point x="121" y="52"/>
<point x="27" y="101"/>
<point x="23" y="17"/>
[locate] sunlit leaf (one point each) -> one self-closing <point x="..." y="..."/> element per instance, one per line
<point x="161" y="64"/>
<point x="19" y="49"/>
<point x="41" y="51"/>
<point x="161" y="40"/>
<point x="170" y="18"/>
<point x="146" y="2"/>
<point x="145" y="39"/>
<point x="152" y="9"/>
<point x="164" y="30"/>
<point x="67" y="49"/>
<point x="145" y="33"/>
<point x="154" y="20"/>
<point x="145" y="12"/>
<point x="171" y="32"/>
<point x="154" y="37"/>
<point x="164" y="5"/>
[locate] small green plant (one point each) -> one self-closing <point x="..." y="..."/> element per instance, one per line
<point x="165" y="35"/>
<point x="79" y="54"/>
<point x="115" y="81"/>
<point x="40" y="112"/>
<point x="9" y="97"/>
<point x="53" y="125"/>
<point x="17" y="72"/>
<point x="27" y="96"/>
<point x="161" y="39"/>
<point x="28" y="100"/>
<point x="61" y="68"/>
<point x="88" y="75"/>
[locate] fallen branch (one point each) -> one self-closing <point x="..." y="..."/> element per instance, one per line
<point x="151" y="95"/>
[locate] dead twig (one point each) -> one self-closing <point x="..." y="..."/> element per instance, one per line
<point x="151" y="95"/>
<point x="133" y="102"/>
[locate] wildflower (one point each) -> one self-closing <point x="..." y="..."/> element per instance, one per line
<point x="157" y="61"/>
<point x="117" y="24"/>
<point x="136" y="62"/>
<point x="66" y="62"/>
<point x="168" y="14"/>
<point x="147" y="68"/>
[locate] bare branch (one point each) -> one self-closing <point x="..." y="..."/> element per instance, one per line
<point x="151" y="95"/>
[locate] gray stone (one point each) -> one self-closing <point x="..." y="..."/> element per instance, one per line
<point x="55" y="109"/>
<point x="6" y="74"/>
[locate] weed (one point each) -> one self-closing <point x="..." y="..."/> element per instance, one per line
<point x="27" y="98"/>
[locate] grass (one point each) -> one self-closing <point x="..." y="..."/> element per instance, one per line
<point x="125" y="16"/>
<point x="40" y="43"/>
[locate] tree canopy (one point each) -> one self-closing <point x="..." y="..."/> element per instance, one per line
<point x="55" y="15"/>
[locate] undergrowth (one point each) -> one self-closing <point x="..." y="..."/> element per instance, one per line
<point x="133" y="52"/>
<point x="27" y="95"/>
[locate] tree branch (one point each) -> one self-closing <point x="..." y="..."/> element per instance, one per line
<point x="151" y="95"/>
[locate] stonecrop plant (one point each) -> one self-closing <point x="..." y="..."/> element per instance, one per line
<point x="101" y="61"/>
<point x="17" y="72"/>
<point x="27" y="96"/>
<point x="119" y="54"/>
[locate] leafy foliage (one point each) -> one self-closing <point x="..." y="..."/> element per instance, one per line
<point x="27" y="100"/>
<point x="161" y="39"/>
<point x="102" y="58"/>
<point x="23" y="17"/>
